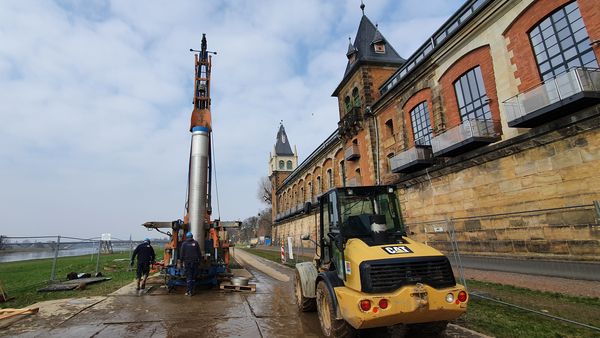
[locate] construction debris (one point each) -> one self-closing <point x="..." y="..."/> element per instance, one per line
<point x="78" y="284"/>
<point x="8" y="313"/>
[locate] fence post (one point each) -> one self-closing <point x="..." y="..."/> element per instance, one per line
<point x="130" y="247"/>
<point x="53" y="274"/>
<point x="98" y="258"/>
<point x="597" y="208"/>
<point x="457" y="253"/>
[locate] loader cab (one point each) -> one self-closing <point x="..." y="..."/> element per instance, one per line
<point x="370" y="214"/>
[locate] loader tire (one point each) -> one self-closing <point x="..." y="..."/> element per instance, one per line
<point x="305" y="304"/>
<point x="431" y="329"/>
<point x="330" y="326"/>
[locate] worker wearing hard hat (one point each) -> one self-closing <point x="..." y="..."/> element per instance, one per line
<point x="190" y="255"/>
<point x="145" y="258"/>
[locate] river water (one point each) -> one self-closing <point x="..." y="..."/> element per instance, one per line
<point x="15" y="256"/>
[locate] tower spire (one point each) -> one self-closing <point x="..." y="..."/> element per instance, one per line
<point x="362" y="7"/>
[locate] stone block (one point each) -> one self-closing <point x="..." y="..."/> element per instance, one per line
<point x="525" y="168"/>
<point x="584" y="216"/>
<point x="588" y="247"/>
<point x="543" y="165"/>
<point x="510" y="185"/>
<point x="501" y="246"/>
<point x="536" y="233"/>
<point x="538" y="246"/>
<point x="541" y="179"/>
<point x="517" y="223"/>
<point x="566" y="159"/>
<point x="559" y="247"/>
<point x="490" y="234"/>
<point x="472" y="225"/>
<point x="520" y="246"/>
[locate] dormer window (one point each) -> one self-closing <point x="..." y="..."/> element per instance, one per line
<point x="379" y="48"/>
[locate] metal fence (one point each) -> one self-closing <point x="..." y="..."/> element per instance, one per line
<point x="555" y="242"/>
<point x="56" y="248"/>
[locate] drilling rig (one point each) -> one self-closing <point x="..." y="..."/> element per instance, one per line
<point x="210" y="234"/>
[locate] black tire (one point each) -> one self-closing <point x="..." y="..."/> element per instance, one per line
<point x="331" y="327"/>
<point x="305" y="304"/>
<point x="431" y="329"/>
<point x="397" y="331"/>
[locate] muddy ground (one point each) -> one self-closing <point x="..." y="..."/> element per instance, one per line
<point x="268" y="312"/>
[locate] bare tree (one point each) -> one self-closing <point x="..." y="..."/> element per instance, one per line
<point x="264" y="222"/>
<point x="264" y="190"/>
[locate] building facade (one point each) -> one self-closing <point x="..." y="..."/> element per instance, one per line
<point x="491" y="128"/>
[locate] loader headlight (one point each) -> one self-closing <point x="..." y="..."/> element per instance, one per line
<point x="450" y="298"/>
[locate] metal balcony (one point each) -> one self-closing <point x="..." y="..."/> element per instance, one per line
<point x="354" y="182"/>
<point x="351" y="153"/>
<point x="566" y="93"/>
<point x="469" y="135"/>
<point x="415" y="158"/>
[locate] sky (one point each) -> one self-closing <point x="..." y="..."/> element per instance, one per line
<point x="96" y="97"/>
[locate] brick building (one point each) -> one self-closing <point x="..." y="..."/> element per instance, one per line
<point x="493" y="124"/>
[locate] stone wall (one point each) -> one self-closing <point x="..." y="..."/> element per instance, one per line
<point x="533" y="193"/>
<point x="296" y="227"/>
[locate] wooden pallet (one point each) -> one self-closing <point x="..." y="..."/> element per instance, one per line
<point x="240" y="288"/>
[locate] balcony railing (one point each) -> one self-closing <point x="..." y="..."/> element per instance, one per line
<point x="350" y="124"/>
<point x="469" y="135"/>
<point x="565" y="93"/>
<point x="351" y="153"/>
<point x="415" y="158"/>
<point x="354" y="182"/>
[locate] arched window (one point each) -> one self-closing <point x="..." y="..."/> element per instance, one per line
<point x="421" y="126"/>
<point x="356" y="97"/>
<point x="330" y="178"/>
<point x="343" y="172"/>
<point x="281" y="164"/>
<point x="289" y="165"/>
<point x="561" y="42"/>
<point x="318" y="184"/>
<point x="348" y="104"/>
<point x="473" y="102"/>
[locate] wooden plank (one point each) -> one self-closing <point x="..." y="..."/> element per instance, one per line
<point x="248" y="288"/>
<point x="7" y="313"/>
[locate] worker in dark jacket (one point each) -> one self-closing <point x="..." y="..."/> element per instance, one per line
<point x="190" y="255"/>
<point x="145" y="257"/>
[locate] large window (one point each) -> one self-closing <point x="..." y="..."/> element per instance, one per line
<point x="281" y="165"/>
<point x="356" y="97"/>
<point x="289" y="165"/>
<point x="472" y="99"/>
<point x="561" y="42"/>
<point x="330" y="178"/>
<point x="347" y="104"/>
<point x="421" y="125"/>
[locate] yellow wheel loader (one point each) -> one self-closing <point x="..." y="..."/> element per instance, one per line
<point x="368" y="274"/>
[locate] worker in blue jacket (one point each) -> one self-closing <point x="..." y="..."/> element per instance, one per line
<point x="145" y="257"/>
<point x="190" y="254"/>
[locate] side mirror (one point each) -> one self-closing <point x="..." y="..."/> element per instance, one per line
<point x="305" y="237"/>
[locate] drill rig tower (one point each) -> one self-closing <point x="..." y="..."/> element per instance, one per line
<point x="210" y="234"/>
<point x="199" y="185"/>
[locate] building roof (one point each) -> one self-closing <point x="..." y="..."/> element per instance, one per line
<point x="366" y="35"/>
<point x="282" y="147"/>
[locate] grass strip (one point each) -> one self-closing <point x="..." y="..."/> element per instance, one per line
<point x="22" y="279"/>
